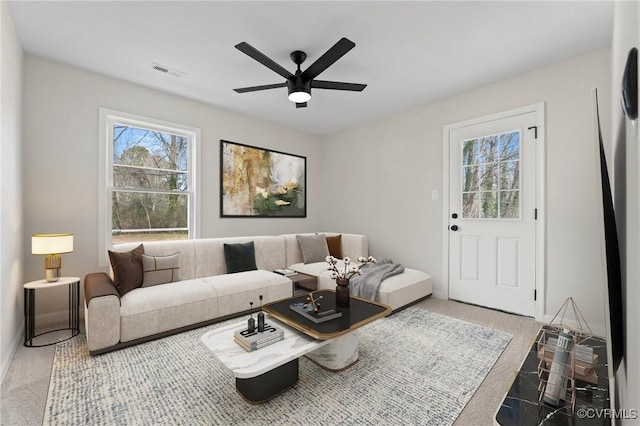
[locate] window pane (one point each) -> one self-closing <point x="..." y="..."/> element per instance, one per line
<point x="488" y="150"/>
<point x="510" y="175"/>
<point x="510" y="146"/>
<point x="134" y="211"/>
<point x="510" y="204"/>
<point x="148" y="158"/>
<point x="470" y="179"/>
<point x="469" y="152"/>
<point x="489" y="207"/>
<point x="148" y="178"/>
<point x="489" y="177"/>
<point x="470" y="205"/>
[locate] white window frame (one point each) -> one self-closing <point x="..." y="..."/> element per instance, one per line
<point x="107" y="120"/>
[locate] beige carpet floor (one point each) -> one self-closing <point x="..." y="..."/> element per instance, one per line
<point x="24" y="389"/>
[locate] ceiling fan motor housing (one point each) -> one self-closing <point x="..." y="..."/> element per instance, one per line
<point x="297" y="84"/>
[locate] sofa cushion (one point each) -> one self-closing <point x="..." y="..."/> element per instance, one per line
<point x="240" y="257"/>
<point x="149" y="310"/>
<point x="334" y="243"/>
<point x="235" y="291"/>
<point x="314" y="247"/>
<point x="127" y="269"/>
<point x="160" y="269"/>
<point x="396" y="291"/>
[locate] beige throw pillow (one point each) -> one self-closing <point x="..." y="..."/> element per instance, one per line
<point x="160" y="269"/>
<point x="313" y="247"/>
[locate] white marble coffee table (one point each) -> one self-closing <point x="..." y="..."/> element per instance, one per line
<point x="262" y="374"/>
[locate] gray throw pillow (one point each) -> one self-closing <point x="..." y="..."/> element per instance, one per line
<point x="160" y="269"/>
<point x="313" y="247"/>
<point x="240" y="257"/>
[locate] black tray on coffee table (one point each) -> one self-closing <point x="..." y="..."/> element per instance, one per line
<point x="359" y="313"/>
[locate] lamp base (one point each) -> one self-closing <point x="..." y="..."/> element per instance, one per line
<point x="52" y="275"/>
<point x="52" y="265"/>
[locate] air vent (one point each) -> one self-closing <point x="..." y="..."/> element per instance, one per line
<point x="167" y="70"/>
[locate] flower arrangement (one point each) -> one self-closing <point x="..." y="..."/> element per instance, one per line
<point x="350" y="269"/>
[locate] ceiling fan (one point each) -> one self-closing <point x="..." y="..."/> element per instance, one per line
<point x="300" y="84"/>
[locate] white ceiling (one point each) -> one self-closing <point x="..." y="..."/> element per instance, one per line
<point x="409" y="53"/>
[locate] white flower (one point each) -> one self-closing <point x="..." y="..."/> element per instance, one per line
<point x="372" y="259"/>
<point x="354" y="268"/>
<point x="347" y="260"/>
<point x="327" y="259"/>
<point x="334" y="275"/>
<point x="362" y="259"/>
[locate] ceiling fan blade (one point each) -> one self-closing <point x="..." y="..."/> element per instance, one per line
<point x="256" y="88"/>
<point x="301" y="105"/>
<point x="330" y="56"/>
<point x="337" y="85"/>
<point x="251" y="51"/>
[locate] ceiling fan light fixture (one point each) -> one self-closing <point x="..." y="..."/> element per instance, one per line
<point x="299" y="91"/>
<point x="299" y="97"/>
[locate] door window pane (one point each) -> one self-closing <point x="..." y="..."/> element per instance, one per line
<point x="510" y="175"/>
<point x="470" y="205"/>
<point x="491" y="176"/>
<point x="470" y="179"/>
<point x="510" y="204"/>
<point x="489" y="208"/>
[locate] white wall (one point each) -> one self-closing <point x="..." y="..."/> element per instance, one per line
<point x="11" y="228"/>
<point x="626" y="181"/>
<point x="382" y="174"/>
<point x="61" y="159"/>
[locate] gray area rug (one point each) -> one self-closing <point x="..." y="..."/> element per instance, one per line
<point x="415" y="368"/>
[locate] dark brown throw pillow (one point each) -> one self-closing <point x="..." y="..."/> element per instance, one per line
<point x="127" y="269"/>
<point x="335" y="245"/>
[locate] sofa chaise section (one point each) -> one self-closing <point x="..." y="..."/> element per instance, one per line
<point x="398" y="291"/>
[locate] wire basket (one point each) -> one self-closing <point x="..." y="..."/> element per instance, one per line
<point x="563" y="358"/>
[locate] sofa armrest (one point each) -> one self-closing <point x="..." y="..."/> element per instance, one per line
<point x="101" y="311"/>
<point x="99" y="285"/>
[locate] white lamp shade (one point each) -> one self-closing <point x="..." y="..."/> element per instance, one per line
<point x="51" y="243"/>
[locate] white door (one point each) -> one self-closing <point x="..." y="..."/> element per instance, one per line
<point x="492" y="231"/>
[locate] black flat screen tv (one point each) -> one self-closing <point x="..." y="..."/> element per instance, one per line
<point x="611" y="254"/>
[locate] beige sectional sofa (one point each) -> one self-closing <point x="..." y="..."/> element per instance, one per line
<point x="206" y="293"/>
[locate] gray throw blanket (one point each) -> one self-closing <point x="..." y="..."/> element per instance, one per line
<point x="368" y="284"/>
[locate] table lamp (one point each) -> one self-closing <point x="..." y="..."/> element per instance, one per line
<point x="53" y="245"/>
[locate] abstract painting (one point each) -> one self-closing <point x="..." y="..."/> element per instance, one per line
<point x="258" y="182"/>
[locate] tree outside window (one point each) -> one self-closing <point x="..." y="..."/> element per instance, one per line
<point x="151" y="184"/>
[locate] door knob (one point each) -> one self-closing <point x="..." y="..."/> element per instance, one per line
<point x="455" y="215"/>
<point x="454" y="227"/>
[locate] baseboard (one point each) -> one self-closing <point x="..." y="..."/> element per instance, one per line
<point x="43" y="320"/>
<point x="439" y="294"/>
<point x="14" y="347"/>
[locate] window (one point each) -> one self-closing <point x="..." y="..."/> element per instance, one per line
<point x="491" y="176"/>
<point x="149" y="179"/>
